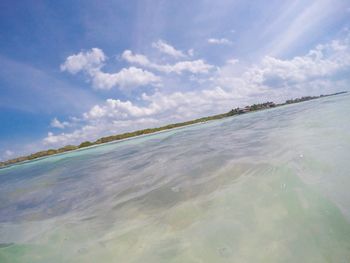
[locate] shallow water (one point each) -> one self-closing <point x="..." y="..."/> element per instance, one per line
<point x="270" y="186"/>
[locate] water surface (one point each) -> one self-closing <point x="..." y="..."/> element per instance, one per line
<point x="270" y="186"/>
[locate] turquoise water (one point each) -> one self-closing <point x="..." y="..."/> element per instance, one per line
<point x="270" y="186"/>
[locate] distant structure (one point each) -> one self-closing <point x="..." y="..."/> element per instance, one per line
<point x="253" y="107"/>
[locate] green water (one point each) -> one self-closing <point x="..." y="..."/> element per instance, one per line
<point x="270" y="186"/>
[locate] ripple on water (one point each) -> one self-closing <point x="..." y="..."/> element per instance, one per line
<point x="270" y="186"/>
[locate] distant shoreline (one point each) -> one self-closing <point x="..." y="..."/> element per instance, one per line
<point x="101" y="144"/>
<point x="140" y="133"/>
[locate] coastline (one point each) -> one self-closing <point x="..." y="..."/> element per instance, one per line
<point x="152" y="131"/>
<point x="106" y="143"/>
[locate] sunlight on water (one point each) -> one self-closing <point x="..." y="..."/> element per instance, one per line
<point x="270" y="186"/>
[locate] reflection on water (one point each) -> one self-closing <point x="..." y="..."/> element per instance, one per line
<point x="270" y="186"/>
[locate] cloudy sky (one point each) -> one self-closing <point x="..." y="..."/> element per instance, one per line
<point x="77" y="70"/>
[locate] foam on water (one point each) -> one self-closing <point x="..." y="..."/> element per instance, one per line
<point x="270" y="186"/>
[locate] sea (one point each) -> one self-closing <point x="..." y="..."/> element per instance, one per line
<point x="267" y="186"/>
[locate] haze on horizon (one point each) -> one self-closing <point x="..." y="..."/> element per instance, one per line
<point x="75" y="71"/>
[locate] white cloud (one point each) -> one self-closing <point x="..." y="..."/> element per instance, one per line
<point x="55" y="123"/>
<point x="116" y="116"/>
<point x="126" y="78"/>
<point x="219" y="41"/>
<point x="117" y="109"/>
<point x="165" y="48"/>
<point x="84" y="61"/>
<point x="193" y="66"/>
<point x="322" y="62"/>
<point x="135" y="58"/>
<point x="91" y="63"/>
<point x="324" y="69"/>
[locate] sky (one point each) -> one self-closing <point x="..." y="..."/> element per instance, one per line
<point x="72" y="71"/>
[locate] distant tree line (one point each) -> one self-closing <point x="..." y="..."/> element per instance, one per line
<point x="236" y="111"/>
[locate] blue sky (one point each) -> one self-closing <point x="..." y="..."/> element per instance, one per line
<point x="76" y="70"/>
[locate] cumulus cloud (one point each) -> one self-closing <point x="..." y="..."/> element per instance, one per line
<point x="192" y="66"/>
<point x="323" y="69"/>
<point x="116" y="116"/>
<point x="84" y="61"/>
<point x="166" y="48"/>
<point x="126" y="78"/>
<point x="139" y="59"/>
<point x="117" y="109"/>
<point x="323" y="62"/>
<point x="91" y="62"/>
<point x="219" y="41"/>
<point x="55" y="123"/>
